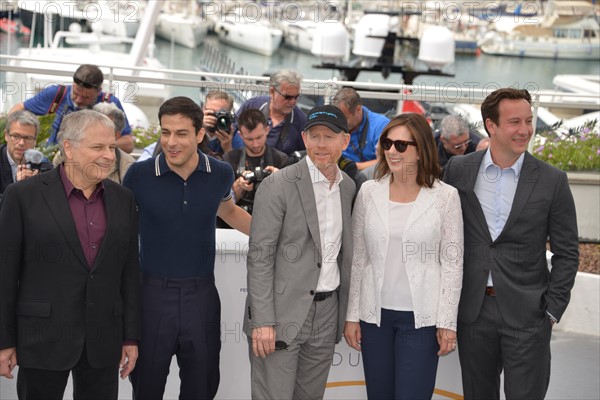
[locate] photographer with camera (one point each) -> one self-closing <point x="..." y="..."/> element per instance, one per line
<point x="18" y="159"/>
<point x="256" y="160"/>
<point x="218" y="121"/>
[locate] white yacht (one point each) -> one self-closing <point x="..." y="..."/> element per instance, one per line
<point x="88" y="48"/>
<point x="180" y="21"/>
<point x="569" y="30"/>
<point x="120" y="18"/>
<point x="257" y="35"/>
<point x="299" y="35"/>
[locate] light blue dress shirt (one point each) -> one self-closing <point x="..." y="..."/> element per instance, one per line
<point x="495" y="188"/>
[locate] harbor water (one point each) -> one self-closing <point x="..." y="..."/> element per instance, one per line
<point x="470" y="71"/>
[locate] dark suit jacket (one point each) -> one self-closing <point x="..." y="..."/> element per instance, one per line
<point x="51" y="304"/>
<point x="542" y="208"/>
<point x="284" y="256"/>
<point x="6" y="177"/>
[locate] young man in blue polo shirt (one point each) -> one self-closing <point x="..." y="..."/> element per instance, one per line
<point x="84" y="93"/>
<point x="179" y="194"/>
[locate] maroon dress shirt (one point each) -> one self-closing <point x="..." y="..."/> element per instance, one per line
<point x="89" y="216"/>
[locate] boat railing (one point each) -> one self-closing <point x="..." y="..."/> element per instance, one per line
<point x="449" y="93"/>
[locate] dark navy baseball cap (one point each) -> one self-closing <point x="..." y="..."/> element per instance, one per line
<point x="329" y="116"/>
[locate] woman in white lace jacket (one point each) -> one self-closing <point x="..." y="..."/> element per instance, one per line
<point x="407" y="265"/>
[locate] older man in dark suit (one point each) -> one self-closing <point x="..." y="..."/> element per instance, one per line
<point x="512" y="204"/>
<point x="69" y="286"/>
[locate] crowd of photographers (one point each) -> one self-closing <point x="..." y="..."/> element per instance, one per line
<point x="263" y="136"/>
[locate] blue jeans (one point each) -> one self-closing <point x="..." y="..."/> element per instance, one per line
<point x="400" y="361"/>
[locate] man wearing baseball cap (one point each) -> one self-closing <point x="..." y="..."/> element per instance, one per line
<point x="299" y="261"/>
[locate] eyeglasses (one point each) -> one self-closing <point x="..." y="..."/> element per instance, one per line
<point x="288" y="97"/>
<point x="400" y="145"/>
<point x="84" y="84"/>
<point x="460" y="146"/>
<point x="17" y="138"/>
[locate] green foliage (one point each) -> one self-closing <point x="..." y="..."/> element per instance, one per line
<point x="575" y="149"/>
<point x="143" y="137"/>
<point x="45" y="130"/>
<point x="3" y="119"/>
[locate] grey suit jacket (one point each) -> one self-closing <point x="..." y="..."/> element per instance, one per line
<point x="284" y="257"/>
<point x="542" y="208"/>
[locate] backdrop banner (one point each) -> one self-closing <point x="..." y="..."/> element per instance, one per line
<point x="346" y="378"/>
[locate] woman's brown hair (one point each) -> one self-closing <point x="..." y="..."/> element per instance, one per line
<point x="428" y="166"/>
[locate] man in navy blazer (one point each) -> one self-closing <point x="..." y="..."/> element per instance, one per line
<point x="69" y="279"/>
<point x="512" y="205"/>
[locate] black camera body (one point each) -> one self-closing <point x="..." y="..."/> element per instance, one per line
<point x="224" y="121"/>
<point x="34" y="166"/>
<point x="256" y="176"/>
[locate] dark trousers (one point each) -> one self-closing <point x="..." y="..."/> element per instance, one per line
<point x="180" y="317"/>
<point x="489" y="345"/>
<point x="400" y="361"/>
<point x="88" y="383"/>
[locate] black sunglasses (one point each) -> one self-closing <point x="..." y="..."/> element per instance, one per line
<point x="288" y="97"/>
<point x="86" y="85"/>
<point x="400" y="145"/>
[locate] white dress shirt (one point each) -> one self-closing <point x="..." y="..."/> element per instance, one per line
<point x="395" y="292"/>
<point x="495" y="188"/>
<point x="14" y="167"/>
<point x="329" y="212"/>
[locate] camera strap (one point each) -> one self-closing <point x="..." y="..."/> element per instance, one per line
<point x="265" y="160"/>
<point x="283" y="135"/>
<point x="362" y="140"/>
<point x="60" y="94"/>
<point x="284" y="131"/>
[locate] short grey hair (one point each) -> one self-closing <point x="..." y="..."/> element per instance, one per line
<point x="288" y="76"/>
<point x="453" y="125"/>
<point x="219" y="95"/>
<point x="113" y="112"/>
<point x="347" y="96"/>
<point x="23" y="117"/>
<point x="74" y="125"/>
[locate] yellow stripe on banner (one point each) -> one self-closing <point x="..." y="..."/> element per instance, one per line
<point x="445" y="393"/>
<point x="450" y="395"/>
<point x="345" y="383"/>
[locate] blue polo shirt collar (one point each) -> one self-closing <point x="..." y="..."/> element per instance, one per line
<point x="266" y="106"/>
<point x="161" y="167"/>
